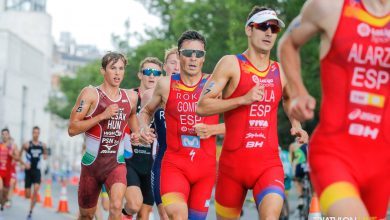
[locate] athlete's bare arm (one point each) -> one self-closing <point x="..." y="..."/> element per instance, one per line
<point x="15" y="154"/>
<point x="45" y="151"/>
<point x="133" y="120"/>
<point x="148" y="94"/>
<point x="24" y="148"/>
<point x="159" y="98"/>
<point x="296" y="128"/>
<point x="317" y="16"/>
<point x="221" y="81"/>
<point x="205" y="131"/>
<point x="86" y="100"/>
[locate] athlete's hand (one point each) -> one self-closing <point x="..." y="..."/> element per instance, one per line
<point x="253" y="95"/>
<point x="302" y="136"/>
<point x="204" y="131"/>
<point x="110" y="111"/>
<point x="147" y="135"/>
<point x="27" y="166"/>
<point x="302" y="107"/>
<point x="135" y="139"/>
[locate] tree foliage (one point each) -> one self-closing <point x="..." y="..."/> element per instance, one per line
<point x="222" y="23"/>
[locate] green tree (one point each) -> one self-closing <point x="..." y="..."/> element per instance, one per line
<point x="222" y="23"/>
<point x="70" y="87"/>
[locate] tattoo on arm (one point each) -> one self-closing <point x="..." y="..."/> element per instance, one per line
<point x="80" y="108"/>
<point x="208" y="89"/>
<point x="294" y="24"/>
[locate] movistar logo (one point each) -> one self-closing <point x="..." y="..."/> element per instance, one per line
<point x="190" y="141"/>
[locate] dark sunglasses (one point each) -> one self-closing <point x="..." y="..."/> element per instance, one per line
<point x="189" y="52"/>
<point x="149" y="71"/>
<point x="265" y="25"/>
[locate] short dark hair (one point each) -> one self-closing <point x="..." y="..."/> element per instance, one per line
<point x="256" y="9"/>
<point x="36" y="127"/>
<point x="112" y="56"/>
<point x="154" y="60"/>
<point x="4" y="129"/>
<point x="190" y="35"/>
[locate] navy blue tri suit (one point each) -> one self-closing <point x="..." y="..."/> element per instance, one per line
<point x="159" y="123"/>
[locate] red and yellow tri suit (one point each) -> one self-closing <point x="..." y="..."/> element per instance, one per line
<point x="250" y="155"/>
<point x="349" y="152"/>
<point x="189" y="165"/>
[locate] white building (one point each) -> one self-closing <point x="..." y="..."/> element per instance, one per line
<point x="25" y="58"/>
<point x="28" y="65"/>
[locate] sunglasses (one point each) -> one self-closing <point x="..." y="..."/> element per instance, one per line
<point x="189" y="52"/>
<point x="149" y="71"/>
<point x="264" y="27"/>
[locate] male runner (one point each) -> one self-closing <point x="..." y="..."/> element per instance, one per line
<point x="9" y="142"/>
<point x="102" y="113"/>
<point x="8" y="153"/>
<point x="139" y="194"/>
<point x="353" y="133"/>
<point x="252" y="86"/>
<point x="171" y="66"/>
<point x="34" y="150"/>
<point x="188" y="167"/>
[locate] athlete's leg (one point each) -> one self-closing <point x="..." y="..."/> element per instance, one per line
<point x="133" y="193"/>
<point x="98" y="212"/>
<point x="175" y="189"/>
<point x="348" y="207"/>
<point x="200" y="195"/>
<point x="88" y="194"/>
<point x="229" y="197"/>
<point x="117" y="192"/>
<point x="156" y="174"/>
<point x="87" y="214"/>
<point x="134" y="199"/>
<point x="1" y="193"/>
<point x="36" y="180"/>
<point x="5" y="194"/>
<point x="147" y="195"/>
<point x="269" y="192"/>
<point x="161" y="212"/>
<point x="144" y="212"/>
<point x="27" y="184"/>
<point x="271" y="206"/>
<point x="13" y="183"/>
<point x="105" y="201"/>
<point x="376" y="195"/>
<point x="116" y="185"/>
<point x="177" y="210"/>
<point x="34" y="198"/>
<point x="336" y="186"/>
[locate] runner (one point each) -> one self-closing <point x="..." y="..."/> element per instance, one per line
<point x="8" y="153"/>
<point x="188" y="167"/>
<point x="9" y="142"/>
<point x="355" y="113"/>
<point x="34" y="150"/>
<point x="252" y="86"/>
<point x="102" y="113"/>
<point x="139" y="194"/>
<point x="171" y="66"/>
